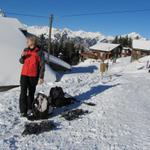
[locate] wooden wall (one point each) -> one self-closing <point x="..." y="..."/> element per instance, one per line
<point x="102" y="55"/>
<point x="136" y="54"/>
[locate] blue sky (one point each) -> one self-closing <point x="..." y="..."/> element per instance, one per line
<point x="112" y="24"/>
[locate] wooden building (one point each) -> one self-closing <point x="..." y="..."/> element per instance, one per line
<point x="141" y="48"/>
<point x="126" y="51"/>
<point x="105" y="51"/>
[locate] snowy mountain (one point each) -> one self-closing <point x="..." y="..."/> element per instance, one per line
<point x="82" y="37"/>
<point x="134" y="35"/>
<point x="38" y="30"/>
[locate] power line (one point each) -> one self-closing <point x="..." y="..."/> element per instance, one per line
<point x="107" y="13"/>
<point x="82" y="14"/>
<point x="26" y="15"/>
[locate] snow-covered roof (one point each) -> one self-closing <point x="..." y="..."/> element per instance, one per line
<point x="141" y="45"/>
<point x="13" y="22"/>
<point x="12" y="42"/>
<point x="107" y="47"/>
<point x="58" y="61"/>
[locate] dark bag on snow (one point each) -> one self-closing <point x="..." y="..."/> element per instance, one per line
<point x="41" y="107"/>
<point x="58" y="98"/>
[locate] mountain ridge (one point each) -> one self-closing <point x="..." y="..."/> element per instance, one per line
<point x="38" y="30"/>
<point x="85" y="38"/>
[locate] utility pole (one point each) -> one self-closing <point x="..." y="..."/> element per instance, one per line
<point x="50" y="36"/>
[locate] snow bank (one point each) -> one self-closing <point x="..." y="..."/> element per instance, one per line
<point x="139" y="66"/>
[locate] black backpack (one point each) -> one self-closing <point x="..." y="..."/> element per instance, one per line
<point x="41" y="107"/>
<point x="57" y="98"/>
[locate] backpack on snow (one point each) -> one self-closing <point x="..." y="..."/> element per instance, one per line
<point x="41" y="107"/>
<point x="58" y="98"/>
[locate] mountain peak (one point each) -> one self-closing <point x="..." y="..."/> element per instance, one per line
<point x="80" y="36"/>
<point x="134" y="35"/>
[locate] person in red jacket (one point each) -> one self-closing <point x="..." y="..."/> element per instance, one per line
<point x="32" y="73"/>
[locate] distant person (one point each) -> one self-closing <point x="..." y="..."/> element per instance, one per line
<point x="32" y="74"/>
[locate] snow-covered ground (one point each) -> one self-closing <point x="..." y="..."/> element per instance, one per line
<point x="119" y="121"/>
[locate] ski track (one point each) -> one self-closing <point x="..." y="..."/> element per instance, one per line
<point x="119" y="121"/>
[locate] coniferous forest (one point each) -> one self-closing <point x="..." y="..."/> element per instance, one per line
<point x="124" y="41"/>
<point x="66" y="50"/>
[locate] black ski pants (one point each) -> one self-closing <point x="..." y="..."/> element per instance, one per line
<point x="28" y="88"/>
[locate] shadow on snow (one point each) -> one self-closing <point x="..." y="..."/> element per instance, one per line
<point x="37" y="128"/>
<point x="94" y="91"/>
<point x="77" y="70"/>
<point x="86" y="69"/>
<point x="84" y="97"/>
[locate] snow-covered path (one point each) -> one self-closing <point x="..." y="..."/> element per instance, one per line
<point x="126" y="121"/>
<point x="119" y="121"/>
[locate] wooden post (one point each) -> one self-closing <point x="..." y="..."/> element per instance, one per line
<point x="102" y="68"/>
<point x="50" y="36"/>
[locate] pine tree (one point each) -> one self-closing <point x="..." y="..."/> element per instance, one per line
<point x="115" y="40"/>
<point x="124" y="41"/>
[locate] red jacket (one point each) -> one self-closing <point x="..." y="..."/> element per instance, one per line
<point x="33" y="63"/>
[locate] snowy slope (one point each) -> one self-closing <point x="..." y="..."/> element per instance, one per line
<point x="119" y="121"/>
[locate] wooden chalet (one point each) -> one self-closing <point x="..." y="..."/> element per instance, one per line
<point x="141" y="48"/>
<point x="103" y="51"/>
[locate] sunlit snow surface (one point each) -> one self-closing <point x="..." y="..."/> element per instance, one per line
<point x="119" y="121"/>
